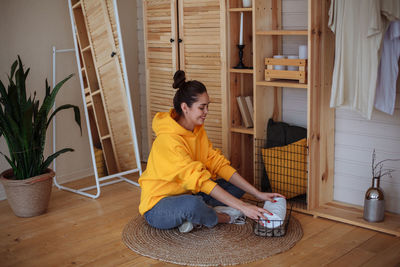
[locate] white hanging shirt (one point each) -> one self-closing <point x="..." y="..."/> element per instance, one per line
<point x="358" y="27"/>
<point x="388" y="70"/>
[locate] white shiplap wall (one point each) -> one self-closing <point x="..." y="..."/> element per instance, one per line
<point x="294" y="101"/>
<point x="355" y="137"/>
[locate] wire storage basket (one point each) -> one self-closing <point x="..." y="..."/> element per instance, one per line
<point x="283" y="169"/>
<point x="272" y="228"/>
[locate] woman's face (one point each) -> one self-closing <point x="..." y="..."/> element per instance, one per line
<point x="197" y="113"/>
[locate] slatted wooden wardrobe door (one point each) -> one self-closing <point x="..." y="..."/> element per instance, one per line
<point x="202" y="57"/>
<point x="111" y="99"/>
<point x="161" y="56"/>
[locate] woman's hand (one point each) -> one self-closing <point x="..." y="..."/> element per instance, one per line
<point x="268" y="196"/>
<point x="240" y="182"/>
<point x="254" y="212"/>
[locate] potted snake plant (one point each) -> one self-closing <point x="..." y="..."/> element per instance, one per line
<point x="23" y="123"/>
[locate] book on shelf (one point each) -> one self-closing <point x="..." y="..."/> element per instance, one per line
<point x="249" y="103"/>
<point x="246" y="118"/>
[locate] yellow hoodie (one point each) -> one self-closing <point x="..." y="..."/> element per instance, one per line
<point x="180" y="162"/>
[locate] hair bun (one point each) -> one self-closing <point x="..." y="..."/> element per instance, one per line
<point x="179" y="79"/>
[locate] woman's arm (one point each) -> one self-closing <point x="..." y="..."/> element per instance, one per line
<point x="251" y="211"/>
<point x="240" y="182"/>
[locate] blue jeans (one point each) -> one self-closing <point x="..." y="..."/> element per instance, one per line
<point x="172" y="211"/>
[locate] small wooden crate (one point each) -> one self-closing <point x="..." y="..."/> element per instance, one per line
<point x="300" y="75"/>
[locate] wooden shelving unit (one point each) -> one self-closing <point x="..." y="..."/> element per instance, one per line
<point x="264" y="40"/>
<point x="241" y="141"/>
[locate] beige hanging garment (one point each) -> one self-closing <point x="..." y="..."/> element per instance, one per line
<point x="358" y="28"/>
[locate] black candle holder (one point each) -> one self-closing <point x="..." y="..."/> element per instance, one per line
<point x="241" y="65"/>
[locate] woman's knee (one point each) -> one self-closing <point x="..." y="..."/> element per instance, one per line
<point x="194" y="204"/>
<point x="173" y="211"/>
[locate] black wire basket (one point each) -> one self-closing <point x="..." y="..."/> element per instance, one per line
<point x="277" y="228"/>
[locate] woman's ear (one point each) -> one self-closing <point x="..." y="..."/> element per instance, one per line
<point x="184" y="108"/>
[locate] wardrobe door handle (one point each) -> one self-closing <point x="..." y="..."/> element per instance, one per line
<point x="179" y="40"/>
<point x="113" y="54"/>
<point x="171" y="40"/>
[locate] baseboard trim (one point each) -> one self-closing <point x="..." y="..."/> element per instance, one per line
<point x="73" y="176"/>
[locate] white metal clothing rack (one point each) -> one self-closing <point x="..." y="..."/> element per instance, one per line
<point x="118" y="177"/>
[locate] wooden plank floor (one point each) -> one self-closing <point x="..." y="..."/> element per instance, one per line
<point x="79" y="231"/>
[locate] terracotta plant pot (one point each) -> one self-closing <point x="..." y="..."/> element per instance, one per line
<point x="29" y="197"/>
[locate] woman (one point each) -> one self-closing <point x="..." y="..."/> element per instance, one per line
<point x="179" y="186"/>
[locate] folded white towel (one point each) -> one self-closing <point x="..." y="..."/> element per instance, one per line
<point x="278" y="210"/>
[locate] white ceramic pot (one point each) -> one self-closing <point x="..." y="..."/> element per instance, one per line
<point x="279" y="67"/>
<point x="247" y="3"/>
<point x="292" y="67"/>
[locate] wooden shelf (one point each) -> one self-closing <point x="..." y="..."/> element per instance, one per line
<point x="86" y="48"/>
<point x="241" y="9"/>
<point x="242" y="130"/>
<point x="352" y="214"/>
<point x="283" y="32"/>
<point x="283" y="83"/>
<point x="96" y="92"/>
<point x="76" y="4"/>
<point x="246" y="71"/>
<point x="105" y="137"/>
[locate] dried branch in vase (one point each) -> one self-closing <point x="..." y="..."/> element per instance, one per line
<point x="377" y="168"/>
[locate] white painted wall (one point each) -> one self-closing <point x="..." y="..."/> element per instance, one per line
<point x="294" y="100"/>
<point x="355" y="137"/>
<point x="30" y="29"/>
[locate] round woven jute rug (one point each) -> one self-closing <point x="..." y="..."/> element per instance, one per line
<point x="225" y="244"/>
